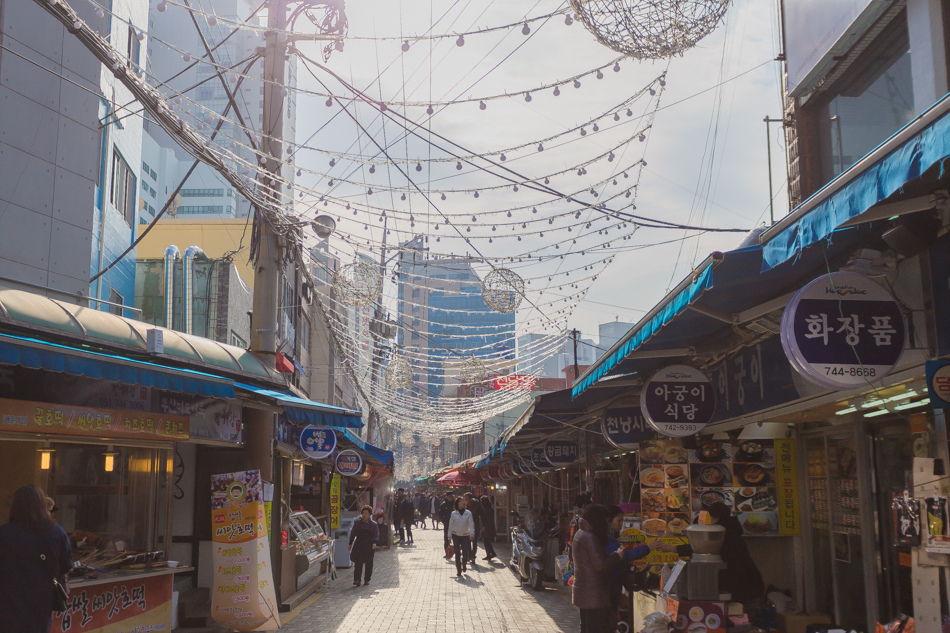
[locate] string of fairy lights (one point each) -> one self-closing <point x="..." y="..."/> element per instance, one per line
<point x="449" y="265"/>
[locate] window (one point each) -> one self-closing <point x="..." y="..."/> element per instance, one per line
<point x="304" y="334"/>
<point x="115" y="297"/>
<point x="236" y="340"/>
<point x="122" y="195"/>
<point x="134" y="48"/>
<point x="153" y="174"/>
<point x="145" y="167"/>
<point x="202" y="210"/>
<point x="202" y="193"/>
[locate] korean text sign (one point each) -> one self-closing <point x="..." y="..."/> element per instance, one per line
<point x="678" y="400"/>
<point x="243" y="596"/>
<point x="560" y="452"/>
<point x="786" y="483"/>
<point x="44" y="417"/>
<point x="335" y="502"/>
<point x="111" y="607"/>
<point x="317" y="441"/>
<point x="349" y="463"/>
<point x="625" y="428"/>
<point x="843" y="330"/>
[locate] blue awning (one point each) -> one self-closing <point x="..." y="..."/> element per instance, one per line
<point x="382" y="456"/>
<point x="37" y="354"/>
<point x="302" y="411"/>
<point x="921" y="145"/>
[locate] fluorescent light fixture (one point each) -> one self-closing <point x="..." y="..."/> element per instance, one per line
<point x="902" y="396"/>
<point x="874" y="414"/>
<point x="846" y="411"/>
<point x="911" y="405"/>
<point x="870" y="404"/>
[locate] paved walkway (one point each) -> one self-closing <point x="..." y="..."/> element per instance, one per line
<point x="414" y="590"/>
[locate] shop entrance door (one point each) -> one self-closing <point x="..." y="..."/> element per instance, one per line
<point x="893" y="473"/>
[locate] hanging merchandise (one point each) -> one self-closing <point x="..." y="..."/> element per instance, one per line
<point x="843" y="330"/>
<point x="650" y="29"/>
<point x="678" y="400"/>
<point x="938" y="534"/>
<point x="906" y="512"/>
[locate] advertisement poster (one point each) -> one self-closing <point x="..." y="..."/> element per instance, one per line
<point x="664" y="488"/>
<point x="116" y="607"/>
<point x="243" y="595"/>
<point x="335" y="502"/>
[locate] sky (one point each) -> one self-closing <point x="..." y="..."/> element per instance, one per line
<point x="705" y="152"/>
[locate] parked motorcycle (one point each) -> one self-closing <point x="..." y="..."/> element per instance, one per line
<point x="527" y="553"/>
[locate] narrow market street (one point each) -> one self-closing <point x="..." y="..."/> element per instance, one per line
<point x="414" y="590"/>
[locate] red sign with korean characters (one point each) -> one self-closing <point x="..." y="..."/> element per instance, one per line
<point x="142" y="604"/>
<point x="514" y="382"/>
<point x="63" y="419"/>
<point x="938" y="383"/>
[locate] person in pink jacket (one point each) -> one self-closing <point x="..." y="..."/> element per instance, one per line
<point x="591" y="593"/>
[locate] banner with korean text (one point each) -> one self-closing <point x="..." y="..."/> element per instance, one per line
<point x="243" y="595"/>
<point x="786" y="484"/>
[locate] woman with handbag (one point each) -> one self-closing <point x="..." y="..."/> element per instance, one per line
<point x="34" y="557"/>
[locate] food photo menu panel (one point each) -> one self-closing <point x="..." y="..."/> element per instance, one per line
<point x="664" y="487"/>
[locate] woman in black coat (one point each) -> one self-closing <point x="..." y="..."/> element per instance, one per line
<point x="362" y="545"/>
<point x="33" y="551"/>
<point x="488" y="527"/>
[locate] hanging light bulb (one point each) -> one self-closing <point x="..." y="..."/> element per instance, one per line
<point x="443" y="196"/>
<point x="100" y="13"/>
<point x="332" y="162"/>
<point x="652" y="92"/>
<point x="372" y="169"/>
<point x="299" y="173"/>
<point x="405" y="46"/>
<point x="525" y="29"/>
<point x="329" y="101"/>
<point x="568" y="20"/>
<point x="595" y="128"/>
<point x="161" y="6"/>
<point x="402" y="197"/>
<point x="577" y="83"/>
<point x="474" y="219"/>
<point x="557" y="91"/>
<point x="583" y="132"/>
<point x="233" y="144"/>
<point x="515" y="188"/>
<point x="418" y="166"/>
<point x="663" y="81"/>
<point x="534" y="210"/>
<point x="642" y="137"/>
<point x="329" y="183"/>
<point x="540" y="147"/>
<point x="509" y="214"/>
<point x="599" y="74"/>
<point x="527" y="97"/>
<point x="186" y="57"/>
<point x="629" y="112"/>
<point x="458" y="165"/>
<point x="610" y="157"/>
<point x="460" y="41"/>
<point x="547" y="181"/>
<point x="503" y="157"/>
<point x="617" y="67"/>
<point x="369" y="191"/>
<point x="481" y="105"/>
<point x="429" y="110"/>
<point x="476" y="194"/>
<point x="283" y="91"/>
<point x="212" y="20"/>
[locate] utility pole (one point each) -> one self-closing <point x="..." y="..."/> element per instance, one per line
<point x="267" y="274"/>
<point x="373" y="421"/>
<point x="574" y="334"/>
<point x="768" y="147"/>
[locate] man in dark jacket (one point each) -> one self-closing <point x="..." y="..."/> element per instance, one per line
<point x="475" y="509"/>
<point x="404" y="512"/>
<point x="445" y="513"/>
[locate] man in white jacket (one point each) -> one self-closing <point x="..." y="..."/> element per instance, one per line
<point x="462" y="530"/>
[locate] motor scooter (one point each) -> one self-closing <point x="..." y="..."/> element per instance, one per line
<point x="527" y="553"/>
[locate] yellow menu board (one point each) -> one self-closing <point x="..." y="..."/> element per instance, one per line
<point x="243" y="596"/>
<point x="335" y="502"/>
<point x="633" y="536"/>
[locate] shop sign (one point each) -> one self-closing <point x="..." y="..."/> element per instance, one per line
<point x="753" y="379"/>
<point x="843" y="330"/>
<point x="560" y="452"/>
<point x="786" y="482"/>
<point x="349" y="463"/>
<point x="335" y="502"/>
<point x="514" y="383"/>
<point x="243" y="595"/>
<point x="938" y="383"/>
<point x="625" y="428"/>
<point x="317" y="441"/>
<point x="63" y="419"/>
<point x="538" y="458"/>
<point x="678" y="400"/>
<point x="137" y="605"/>
<point x="211" y="418"/>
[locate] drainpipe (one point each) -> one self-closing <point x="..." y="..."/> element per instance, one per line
<point x="172" y="254"/>
<point x="189" y="286"/>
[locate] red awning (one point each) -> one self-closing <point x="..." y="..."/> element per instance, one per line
<point x="455" y="478"/>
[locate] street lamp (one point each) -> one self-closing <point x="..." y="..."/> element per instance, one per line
<point x="323" y="226"/>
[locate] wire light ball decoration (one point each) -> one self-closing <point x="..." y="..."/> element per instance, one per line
<point x="503" y="290"/>
<point x="398" y="374"/>
<point x="357" y="284"/>
<point x="472" y="370"/>
<point x="650" y="29"/>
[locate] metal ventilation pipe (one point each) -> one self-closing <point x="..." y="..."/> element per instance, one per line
<point x="189" y="286"/>
<point x="172" y="254"/>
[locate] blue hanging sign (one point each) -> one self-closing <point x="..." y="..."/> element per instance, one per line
<point x="560" y="452"/>
<point x="843" y="330"/>
<point x="938" y="383"/>
<point x="678" y="400"/>
<point x="538" y="459"/>
<point x="349" y="463"/>
<point x="317" y="441"/>
<point x="625" y="428"/>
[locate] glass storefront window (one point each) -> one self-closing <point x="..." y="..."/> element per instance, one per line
<point x="871" y="101"/>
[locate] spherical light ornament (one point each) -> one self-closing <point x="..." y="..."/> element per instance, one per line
<point x="650" y="29"/>
<point x="472" y="371"/>
<point x="398" y="374"/>
<point x="161" y="6"/>
<point x="503" y="290"/>
<point x="357" y="284"/>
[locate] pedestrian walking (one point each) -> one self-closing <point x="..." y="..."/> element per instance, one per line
<point x="403" y="512"/>
<point x="434" y="511"/>
<point x="488" y="527"/>
<point x="34" y="553"/>
<point x="462" y="528"/>
<point x="422" y="505"/>
<point x="590" y="593"/>
<point x="445" y="513"/>
<point x="473" y="506"/>
<point x="364" y="539"/>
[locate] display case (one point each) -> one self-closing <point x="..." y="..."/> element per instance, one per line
<point x="312" y="541"/>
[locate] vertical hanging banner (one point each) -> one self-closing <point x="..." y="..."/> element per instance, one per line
<point x="335" y="502"/>
<point x="786" y="482"/>
<point x="243" y="595"/>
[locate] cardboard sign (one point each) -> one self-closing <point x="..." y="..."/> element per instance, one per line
<point x="112" y="607"/>
<point x="243" y="596"/>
